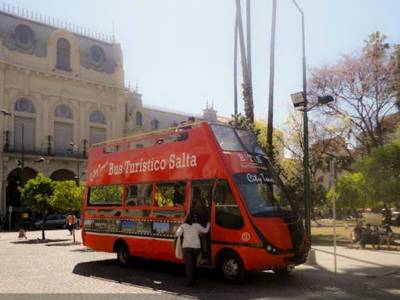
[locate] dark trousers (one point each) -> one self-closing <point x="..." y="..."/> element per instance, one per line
<point x="190" y="256"/>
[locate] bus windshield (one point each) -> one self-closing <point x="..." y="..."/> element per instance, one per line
<point x="262" y="196"/>
<point x="227" y="138"/>
<point x="231" y="139"/>
<point x="249" y="141"/>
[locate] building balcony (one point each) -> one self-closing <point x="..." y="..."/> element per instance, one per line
<point x="57" y="153"/>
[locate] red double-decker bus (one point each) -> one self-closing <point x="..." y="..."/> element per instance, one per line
<point x="139" y="189"/>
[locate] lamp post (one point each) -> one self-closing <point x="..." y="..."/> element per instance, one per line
<point x="305" y="131"/>
<point x="72" y="144"/>
<point x="300" y="102"/>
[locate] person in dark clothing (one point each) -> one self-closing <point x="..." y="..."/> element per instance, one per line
<point x="179" y="194"/>
<point x="366" y="237"/>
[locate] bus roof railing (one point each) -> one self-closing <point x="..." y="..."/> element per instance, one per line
<point x="143" y="136"/>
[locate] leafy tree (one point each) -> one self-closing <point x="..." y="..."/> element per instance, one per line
<point x="362" y="86"/>
<point x="351" y="191"/>
<point x="36" y="195"/>
<point x="381" y="171"/>
<point x="67" y="196"/>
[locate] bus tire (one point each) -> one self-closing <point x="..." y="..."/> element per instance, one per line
<point x="123" y="255"/>
<point x="231" y="268"/>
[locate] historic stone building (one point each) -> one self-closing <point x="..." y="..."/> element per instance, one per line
<point x="60" y="92"/>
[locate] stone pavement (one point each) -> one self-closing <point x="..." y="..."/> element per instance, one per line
<point x="59" y="268"/>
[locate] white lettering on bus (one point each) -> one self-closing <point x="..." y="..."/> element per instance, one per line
<point x="253" y="178"/>
<point x="185" y="160"/>
<point x="174" y="161"/>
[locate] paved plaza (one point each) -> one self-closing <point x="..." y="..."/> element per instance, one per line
<point x="60" y="267"/>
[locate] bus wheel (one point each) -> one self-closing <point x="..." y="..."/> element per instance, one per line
<point x="231" y="268"/>
<point x="123" y="255"/>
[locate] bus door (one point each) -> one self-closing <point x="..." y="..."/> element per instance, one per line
<point x="201" y="197"/>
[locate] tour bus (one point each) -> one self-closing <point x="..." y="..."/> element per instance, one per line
<point x="139" y="190"/>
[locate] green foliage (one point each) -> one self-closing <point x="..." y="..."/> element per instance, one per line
<point x="382" y="174"/>
<point x="259" y="129"/>
<point x="37" y="192"/>
<point x="351" y="191"/>
<point x="67" y="196"/>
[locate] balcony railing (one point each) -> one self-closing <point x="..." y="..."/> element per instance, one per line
<point x="71" y="152"/>
<point x="67" y="153"/>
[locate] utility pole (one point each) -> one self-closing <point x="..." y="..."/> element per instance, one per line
<point x="271" y="83"/>
<point x="307" y="204"/>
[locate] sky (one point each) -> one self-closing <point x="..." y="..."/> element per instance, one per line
<point x="180" y="52"/>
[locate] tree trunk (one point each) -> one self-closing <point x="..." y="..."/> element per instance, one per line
<point x="44" y="223"/>
<point x="247" y="88"/>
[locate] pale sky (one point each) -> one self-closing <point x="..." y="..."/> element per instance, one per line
<point x="180" y="52"/>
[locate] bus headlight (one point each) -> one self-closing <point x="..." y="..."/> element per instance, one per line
<point x="271" y="249"/>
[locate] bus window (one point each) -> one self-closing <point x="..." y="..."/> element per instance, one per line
<point x="139" y="195"/>
<point x="169" y="195"/>
<point x="227" y="211"/>
<point x="226" y="138"/>
<point x="106" y="195"/>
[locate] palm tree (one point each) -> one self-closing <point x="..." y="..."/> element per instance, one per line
<point x="247" y="85"/>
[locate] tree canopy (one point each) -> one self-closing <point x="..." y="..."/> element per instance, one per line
<point x="67" y="196"/>
<point x="362" y="86"/>
<point x="37" y="192"/>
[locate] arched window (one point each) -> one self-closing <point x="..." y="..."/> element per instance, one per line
<point x="24" y="125"/>
<point x="24" y="105"/>
<point x="63" y="55"/>
<point x="97" y="117"/>
<point x="63" y="111"/>
<point x="97" y="129"/>
<point x="154" y="124"/>
<point x="63" y="129"/>
<point x="139" y="119"/>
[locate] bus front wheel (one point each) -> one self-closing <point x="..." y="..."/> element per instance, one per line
<point x="231" y="268"/>
<point x="123" y="255"/>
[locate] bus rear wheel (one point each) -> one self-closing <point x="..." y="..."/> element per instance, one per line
<point x="231" y="268"/>
<point x="123" y="255"/>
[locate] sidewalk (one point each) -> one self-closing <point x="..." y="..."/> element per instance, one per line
<point x="361" y="262"/>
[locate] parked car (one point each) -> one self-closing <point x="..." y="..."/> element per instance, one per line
<point x="55" y="221"/>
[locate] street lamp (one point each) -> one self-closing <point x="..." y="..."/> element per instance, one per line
<point x="300" y="102"/>
<point x="73" y="146"/>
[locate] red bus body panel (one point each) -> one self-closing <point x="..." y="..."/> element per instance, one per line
<point x="194" y="158"/>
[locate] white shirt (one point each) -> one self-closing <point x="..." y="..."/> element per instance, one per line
<point x="191" y="234"/>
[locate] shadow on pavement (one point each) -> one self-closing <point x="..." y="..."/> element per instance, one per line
<point x="302" y="284"/>
<point x="39" y="241"/>
<point x="70" y="243"/>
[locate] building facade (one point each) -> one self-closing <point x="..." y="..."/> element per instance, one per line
<point x="60" y="92"/>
